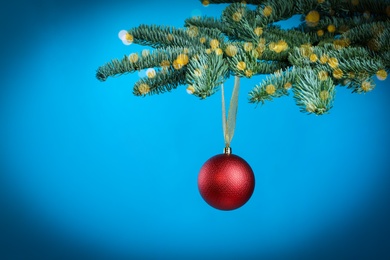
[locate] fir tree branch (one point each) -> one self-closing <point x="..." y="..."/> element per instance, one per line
<point x="274" y="86"/>
<point x="161" y="36"/>
<point x="338" y="42"/>
<point x="165" y="80"/>
<point x="312" y="94"/>
<point x="207" y="23"/>
<point x="206" y="73"/>
<point x="162" y="57"/>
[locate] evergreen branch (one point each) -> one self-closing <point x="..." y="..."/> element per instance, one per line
<point x="248" y="61"/>
<point x="385" y="56"/>
<point x="273" y="11"/>
<point x="343" y="42"/>
<point x="373" y="6"/>
<point x="294" y="37"/>
<point x="206" y="73"/>
<point x="241" y="22"/>
<point x="165" y="80"/>
<point x="207" y="24"/>
<point x="362" y="83"/>
<point x="304" y="6"/>
<point x="135" y="62"/>
<point x="375" y="35"/>
<point x="274" y="86"/>
<point x="312" y="94"/>
<point x="162" y="36"/>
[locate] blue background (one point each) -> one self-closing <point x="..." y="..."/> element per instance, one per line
<point x="90" y="171"/>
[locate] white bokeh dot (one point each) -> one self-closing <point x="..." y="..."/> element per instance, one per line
<point x="122" y="35"/>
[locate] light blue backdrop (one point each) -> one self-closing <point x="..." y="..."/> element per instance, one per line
<point x="90" y="171"/>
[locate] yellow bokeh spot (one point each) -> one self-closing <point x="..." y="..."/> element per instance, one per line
<point x="248" y="46"/>
<point x="324" y="95"/>
<point x="267" y="11"/>
<point x="311" y="108"/>
<point x="279" y="46"/>
<point x="338" y="73"/>
<point x="145" y="53"/>
<point x="218" y="51"/>
<point x="341" y="43"/>
<point x="202" y="40"/>
<point x="193" y="31"/>
<point x="176" y="65"/>
<point x="354" y="2"/>
<point x="324" y="59"/>
<point x="306" y="50"/>
<point x="205" y="2"/>
<point x="237" y="16"/>
<point x="367" y="86"/>
<point x="381" y="74"/>
<point x="198" y="72"/>
<point x="287" y="86"/>
<point x="320" y="33"/>
<point x="133" y="58"/>
<point x="248" y="73"/>
<point x="182" y="59"/>
<point x="241" y="65"/>
<point x="262" y="41"/>
<point x="214" y="43"/>
<point x="143" y="89"/>
<point x="258" y="31"/>
<point x="333" y="63"/>
<point x="255" y="54"/>
<point x="231" y="50"/>
<point x="343" y="28"/>
<point x="165" y="64"/>
<point x="312" y="18"/>
<point x="346" y="82"/>
<point x="270" y="89"/>
<point x="313" y="57"/>
<point x="260" y="49"/>
<point x="208" y="51"/>
<point x="129" y="38"/>
<point x="151" y="73"/>
<point x="190" y="89"/>
<point x="320" y="1"/>
<point x="331" y="28"/>
<point x="323" y="75"/>
<point x="170" y="37"/>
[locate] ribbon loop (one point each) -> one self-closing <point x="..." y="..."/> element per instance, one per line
<point x="229" y="121"/>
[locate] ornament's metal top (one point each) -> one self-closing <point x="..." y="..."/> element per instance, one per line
<point x="227" y="150"/>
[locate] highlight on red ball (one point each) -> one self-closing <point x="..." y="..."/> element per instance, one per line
<point x="226" y="181"/>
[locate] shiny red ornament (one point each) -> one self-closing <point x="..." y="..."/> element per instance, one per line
<point x="226" y="181"/>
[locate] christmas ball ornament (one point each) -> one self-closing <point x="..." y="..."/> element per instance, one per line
<point x="226" y="181"/>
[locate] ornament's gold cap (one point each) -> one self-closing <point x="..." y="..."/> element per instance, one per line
<point x="227" y="150"/>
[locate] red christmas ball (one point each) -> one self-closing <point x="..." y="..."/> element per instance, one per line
<point x="226" y="181"/>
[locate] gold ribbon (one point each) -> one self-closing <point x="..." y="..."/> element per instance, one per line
<point x="229" y="121"/>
